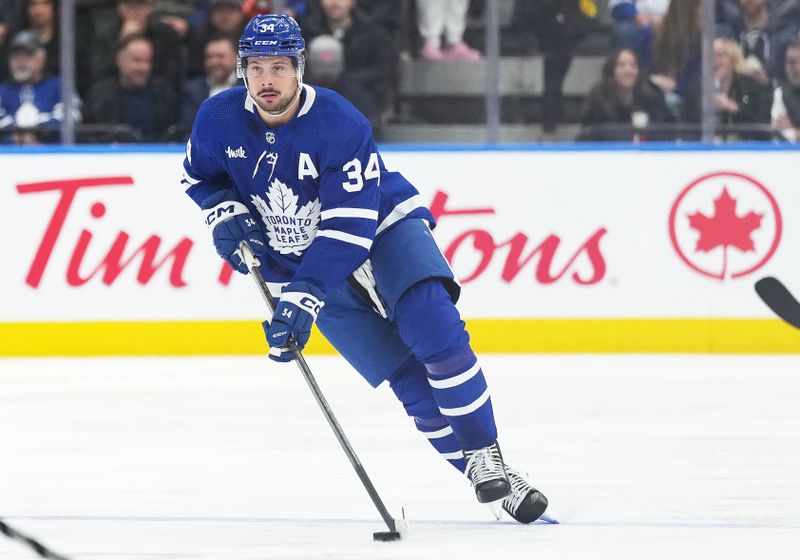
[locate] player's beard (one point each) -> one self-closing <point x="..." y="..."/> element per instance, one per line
<point x="276" y="109"/>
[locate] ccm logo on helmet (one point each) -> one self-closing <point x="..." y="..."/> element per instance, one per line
<point x="266" y="43"/>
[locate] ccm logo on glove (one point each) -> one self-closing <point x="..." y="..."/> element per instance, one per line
<point x="231" y="224"/>
<point x="305" y="301"/>
<point x="225" y="210"/>
<point x="295" y="313"/>
<point x="313" y="305"/>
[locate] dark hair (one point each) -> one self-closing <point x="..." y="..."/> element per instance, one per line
<point x="677" y="36"/>
<point x="128" y="39"/>
<point x="217" y="37"/>
<point x="21" y="21"/>
<point x="610" y="64"/>
<point x="612" y="59"/>
<point x="604" y="92"/>
<point x="25" y="4"/>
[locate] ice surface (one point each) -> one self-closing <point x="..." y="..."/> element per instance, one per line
<point x="642" y="457"/>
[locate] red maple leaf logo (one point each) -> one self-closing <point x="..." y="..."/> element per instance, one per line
<point x="725" y="229"/>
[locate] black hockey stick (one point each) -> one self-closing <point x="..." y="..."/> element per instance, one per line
<point x="397" y="527"/>
<point x="38" y="547"/>
<point x="779" y="299"/>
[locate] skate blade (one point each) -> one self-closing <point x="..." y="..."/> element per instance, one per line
<point x="496" y="508"/>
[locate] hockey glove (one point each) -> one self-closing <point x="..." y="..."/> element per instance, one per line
<point x="294" y="315"/>
<point x="231" y="223"/>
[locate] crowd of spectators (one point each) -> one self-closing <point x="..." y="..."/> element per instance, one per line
<point x="145" y="66"/>
<point x="754" y="65"/>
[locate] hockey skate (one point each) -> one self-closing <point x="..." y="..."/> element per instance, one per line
<point x="524" y="503"/>
<point x="487" y="472"/>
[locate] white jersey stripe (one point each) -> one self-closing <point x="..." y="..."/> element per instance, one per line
<point x="453" y="456"/>
<point x="346" y="237"/>
<point x="400" y="211"/>
<point x="311" y="95"/>
<point x="349" y="213"/>
<point x="444" y="432"/>
<point x="468" y="409"/>
<point x="456" y="380"/>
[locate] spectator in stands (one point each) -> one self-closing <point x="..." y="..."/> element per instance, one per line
<point x="786" y="104"/>
<point x="385" y="13"/>
<point x="9" y="14"/>
<point x="8" y="11"/>
<point x="762" y="28"/>
<point x="134" y="97"/>
<point x="631" y="15"/>
<point x="370" y="58"/>
<point x="624" y="95"/>
<point x="295" y="8"/>
<point x="740" y="99"/>
<point x="325" y="67"/>
<point x="31" y="102"/>
<point x="134" y="18"/>
<point x="225" y="20"/>
<point x="671" y="54"/>
<point x="177" y="14"/>
<point x="220" y="74"/>
<point x="40" y="17"/>
<point x="448" y="18"/>
<point x="559" y="26"/>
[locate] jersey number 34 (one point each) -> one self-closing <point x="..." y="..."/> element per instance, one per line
<point x="353" y="169"/>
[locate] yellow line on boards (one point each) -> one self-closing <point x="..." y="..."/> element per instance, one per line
<point x="183" y="338"/>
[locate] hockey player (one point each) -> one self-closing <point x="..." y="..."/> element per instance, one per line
<point x="293" y="170"/>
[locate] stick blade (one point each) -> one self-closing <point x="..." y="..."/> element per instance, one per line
<point x="400" y="531"/>
<point x="386" y="536"/>
<point x="779" y="300"/>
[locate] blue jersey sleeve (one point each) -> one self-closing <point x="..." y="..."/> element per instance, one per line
<point x="349" y="199"/>
<point x="203" y="174"/>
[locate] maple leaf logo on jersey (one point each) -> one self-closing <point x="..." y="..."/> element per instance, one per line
<point x="290" y="229"/>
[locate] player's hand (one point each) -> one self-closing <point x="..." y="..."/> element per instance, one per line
<point x="231" y="223"/>
<point x="295" y="313"/>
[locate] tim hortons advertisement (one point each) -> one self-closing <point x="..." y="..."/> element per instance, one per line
<point x="531" y="235"/>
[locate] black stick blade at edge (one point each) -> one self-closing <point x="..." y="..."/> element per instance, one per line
<point x="779" y="300"/>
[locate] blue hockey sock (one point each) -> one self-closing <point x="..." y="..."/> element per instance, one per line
<point x="460" y="390"/>
<point x="431" y="326"/>
<point x="410" y="385"/>
<point x="441" y="437"/>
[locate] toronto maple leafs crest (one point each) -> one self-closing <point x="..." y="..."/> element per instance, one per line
<point x="290" y="229"/>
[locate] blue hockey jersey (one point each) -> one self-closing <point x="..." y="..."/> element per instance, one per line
<point x="317" y="183"/>
<point x="30" y="106"/>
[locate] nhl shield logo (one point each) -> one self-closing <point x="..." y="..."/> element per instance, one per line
<point x="270" y="137"/>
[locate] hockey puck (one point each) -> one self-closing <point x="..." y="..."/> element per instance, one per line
<point x="386" y="536"/>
